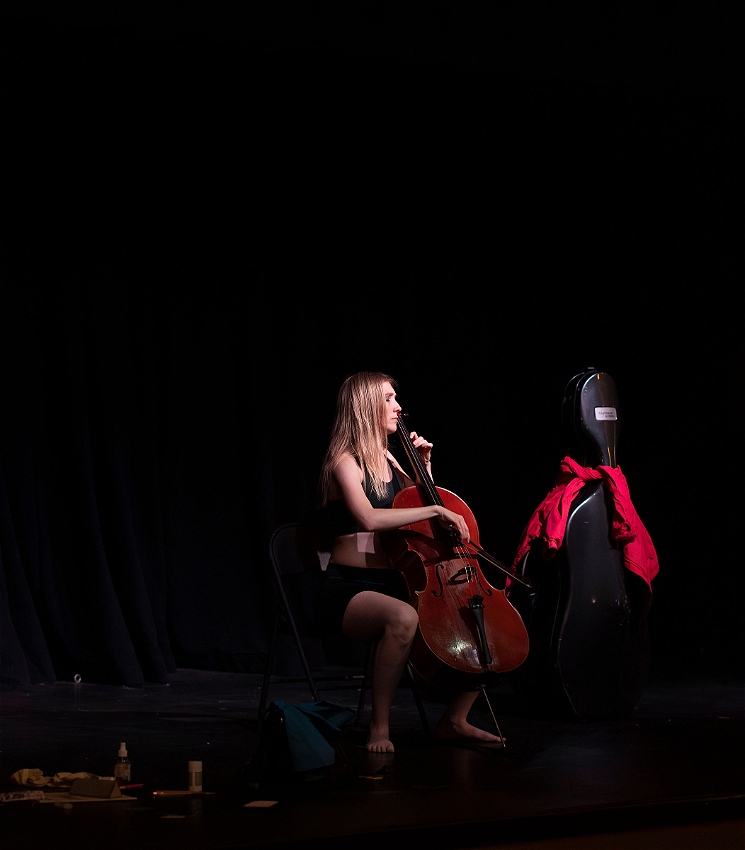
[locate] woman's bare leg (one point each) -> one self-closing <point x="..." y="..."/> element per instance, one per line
<point x="393" y="623"/>
<point x="454" y="725"/>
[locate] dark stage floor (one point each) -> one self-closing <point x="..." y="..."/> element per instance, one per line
<point x="670" y="776"/>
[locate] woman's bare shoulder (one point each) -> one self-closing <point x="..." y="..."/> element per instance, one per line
<point x="347" y="465"/>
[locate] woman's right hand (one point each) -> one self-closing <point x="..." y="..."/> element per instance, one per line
<point x="454" y="522"/>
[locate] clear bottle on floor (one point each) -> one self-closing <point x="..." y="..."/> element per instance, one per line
<point x="123" y="766"/>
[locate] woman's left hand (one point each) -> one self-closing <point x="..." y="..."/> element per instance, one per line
<point x="423" y="446"/>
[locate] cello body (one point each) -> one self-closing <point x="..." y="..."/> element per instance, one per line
<point x="459" y="645"/>
<point x="586" y="614"/>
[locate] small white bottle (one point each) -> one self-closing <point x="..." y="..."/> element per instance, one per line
<point x="123" y="767"/>
<point x="195" y="776"/>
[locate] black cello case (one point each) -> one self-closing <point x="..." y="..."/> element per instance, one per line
<point x="585" y="613"/>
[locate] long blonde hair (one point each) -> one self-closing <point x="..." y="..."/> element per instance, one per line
<point x="359" y="429"/>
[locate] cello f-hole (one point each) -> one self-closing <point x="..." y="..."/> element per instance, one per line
<point x="437" y="594"/>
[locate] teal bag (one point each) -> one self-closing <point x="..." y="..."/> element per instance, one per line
<point x="310" y="728"/>
<point x="297" y="742"/>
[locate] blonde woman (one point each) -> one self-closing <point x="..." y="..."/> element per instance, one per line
<point x="364" y="597"/>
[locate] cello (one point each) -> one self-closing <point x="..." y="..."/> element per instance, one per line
<point x="469" y="632"/>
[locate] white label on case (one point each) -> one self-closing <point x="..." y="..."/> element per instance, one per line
<point x="603" y="413"/>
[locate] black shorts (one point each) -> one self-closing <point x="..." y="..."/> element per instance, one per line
<point x="341" y="583"/>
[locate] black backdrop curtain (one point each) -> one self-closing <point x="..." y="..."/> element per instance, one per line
<point x="126" y="523"/>
<point x="211" y="226"/>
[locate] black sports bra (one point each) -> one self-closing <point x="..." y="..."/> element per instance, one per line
<point x="334" y="518"/>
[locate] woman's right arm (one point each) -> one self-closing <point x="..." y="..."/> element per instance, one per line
<point x="347" y="476"/>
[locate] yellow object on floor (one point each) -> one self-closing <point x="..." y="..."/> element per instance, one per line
<point x="33" y="777"/>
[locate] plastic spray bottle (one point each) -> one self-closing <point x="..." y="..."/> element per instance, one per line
<point x="123" y="766"/>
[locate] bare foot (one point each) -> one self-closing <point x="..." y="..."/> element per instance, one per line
<point x="460" y="730"/>
<point x="377" y="741"/>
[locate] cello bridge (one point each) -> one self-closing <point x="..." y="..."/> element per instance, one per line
<point x="464" y="574"/>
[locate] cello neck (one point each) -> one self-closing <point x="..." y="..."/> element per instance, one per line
<point x="425" y="479"/>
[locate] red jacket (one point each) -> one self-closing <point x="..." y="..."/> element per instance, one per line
<point x="549" y="519"/>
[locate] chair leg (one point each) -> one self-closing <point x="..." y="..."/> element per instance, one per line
<point x="267" y="673"/>
<point x="298" y="643"/>
<point x="418" y="700"/>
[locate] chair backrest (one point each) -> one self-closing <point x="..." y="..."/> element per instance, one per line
<point x="298" y="572"/>
<point x="293" y="549"/>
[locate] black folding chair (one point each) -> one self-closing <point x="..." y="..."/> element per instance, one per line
<point x="297" y="567"/>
